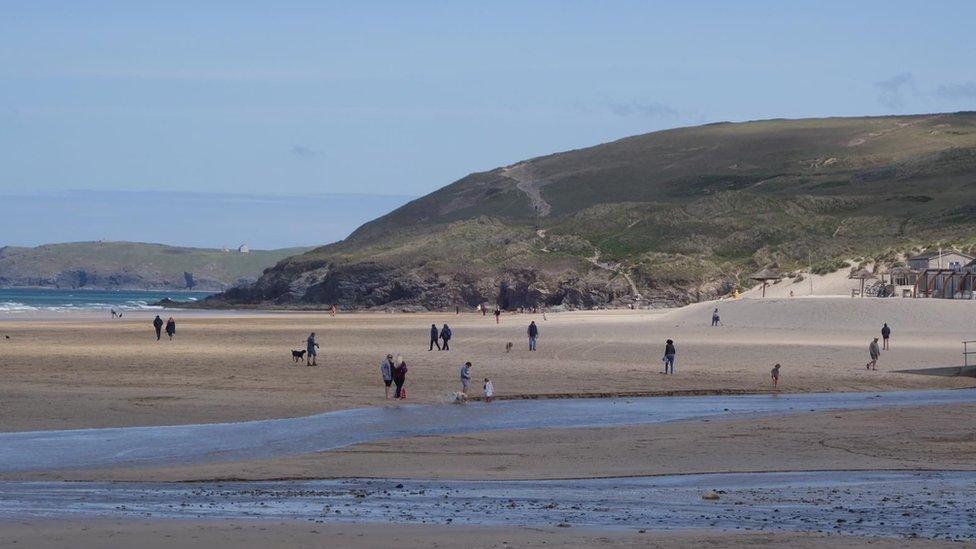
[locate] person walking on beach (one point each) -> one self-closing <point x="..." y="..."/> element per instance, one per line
<point x="158" y="325"/>
<point x="114" y="314"/>
<point x="668" y="359"/>
<point x="400" y="377"/>
<point x="171" y="328"/>
<point x="875" y="353"/>
<point x="310" y="348"/>
<point x="498" y="315"/>
<point x="433" y="338"/>
<point x="465" y="372"/>
<point x="715" y="318"/>
<point x="386" y="370"/>
<point x="446" y="337"/>
<point x="885" y="334"/>
<point x="489" y="390"/>
<point x="533" y="335"/>
<point x="775" y="375"/>
<point x="332" y="310"/>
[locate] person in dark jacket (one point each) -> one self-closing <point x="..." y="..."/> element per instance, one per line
<point x="533" y="335"/>
<point x="171" y="328"/>
<point x="386" y="371"/>
<point x="668" y="359"/>
<point x="445" y="337"/>
<point x="433" y="338"/>
<point x="158" y="325"/>
<point x="400" y="377"/>
<point x="311" y="348"/>
<point x="885" y="334"/>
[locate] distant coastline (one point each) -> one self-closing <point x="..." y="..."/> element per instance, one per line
<point x="29" y="300"/>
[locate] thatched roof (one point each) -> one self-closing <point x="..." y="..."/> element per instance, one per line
<point x="767" y="274"/>
<point x="862" y="274"/>
<point x="900" y="270"/>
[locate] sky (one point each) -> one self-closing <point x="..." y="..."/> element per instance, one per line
<point x="401" y="98"/>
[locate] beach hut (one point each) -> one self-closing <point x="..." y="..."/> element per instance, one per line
<point x="862" y="275"/>
<point x="900" y="281"/>
<point x="765" y="276"/>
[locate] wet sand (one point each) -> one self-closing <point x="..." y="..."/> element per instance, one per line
<point x="218" y="534"/>
<point x="933" y="505"/>
<point x="925" y="438"/>
<point x="78" y="373"/>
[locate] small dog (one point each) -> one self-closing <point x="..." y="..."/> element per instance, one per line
<point x="298" y="356"/>
<point x="509" y="346"/>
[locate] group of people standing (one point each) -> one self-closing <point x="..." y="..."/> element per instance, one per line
<point x="465" y="373"/>
<point x="394" y="372"/>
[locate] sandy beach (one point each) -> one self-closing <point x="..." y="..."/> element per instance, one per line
<point x="91" y="372"/>
<point x="82" y="371"/>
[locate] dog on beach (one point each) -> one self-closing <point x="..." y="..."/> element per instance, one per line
<point x="509" y="346"/>
<point x="460" y="398"/>
<point x="298" y="356"/>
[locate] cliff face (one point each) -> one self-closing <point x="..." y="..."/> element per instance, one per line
<point x="131" y="266"/>
<point x="663" y="218"/>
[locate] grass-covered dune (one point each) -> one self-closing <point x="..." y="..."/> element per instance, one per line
<point x="673" y="216"/>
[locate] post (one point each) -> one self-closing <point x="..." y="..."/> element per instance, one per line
<point x="810" y="263"/>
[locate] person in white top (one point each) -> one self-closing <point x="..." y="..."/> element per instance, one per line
<point x="489" y="390"/>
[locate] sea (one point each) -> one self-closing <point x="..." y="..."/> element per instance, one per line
<point x="14" y="300"/>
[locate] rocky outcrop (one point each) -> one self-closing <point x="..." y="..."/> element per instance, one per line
<point x="371" y="286"/>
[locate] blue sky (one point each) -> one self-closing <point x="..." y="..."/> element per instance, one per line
<point x="401" y="98"/>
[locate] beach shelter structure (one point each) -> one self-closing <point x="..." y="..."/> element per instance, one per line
<point x="862" y="275"/>
<point x="765" y="276"/>
<point x="900" y="281"/>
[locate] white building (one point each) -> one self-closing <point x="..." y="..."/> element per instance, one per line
<point x="243" y="249"/>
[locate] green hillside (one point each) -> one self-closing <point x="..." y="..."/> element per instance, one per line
<point x="671" y="216"/>
<point x="132" y="265"/>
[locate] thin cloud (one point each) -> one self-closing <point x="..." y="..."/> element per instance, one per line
<point x="303" y="152"/>
<point x="891" y="92"/>
<point x="217" y="74"/>
<point x="639" y="107"/>
<point x="964" y="90"/>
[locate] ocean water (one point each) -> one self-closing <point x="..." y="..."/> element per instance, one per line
<point x="13" y="300"/>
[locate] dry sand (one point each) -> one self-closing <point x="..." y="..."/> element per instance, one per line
<point x="261" y="534"/>
<point x="97" y="373"/>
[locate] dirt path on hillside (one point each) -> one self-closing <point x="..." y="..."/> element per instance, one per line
<point x="530" y="186"/>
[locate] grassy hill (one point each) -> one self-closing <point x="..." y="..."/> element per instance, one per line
<point x="132" y="265"/>
<point x="673" y="216"/>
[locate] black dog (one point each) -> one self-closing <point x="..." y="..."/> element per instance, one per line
<point x="298" y="355"/>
